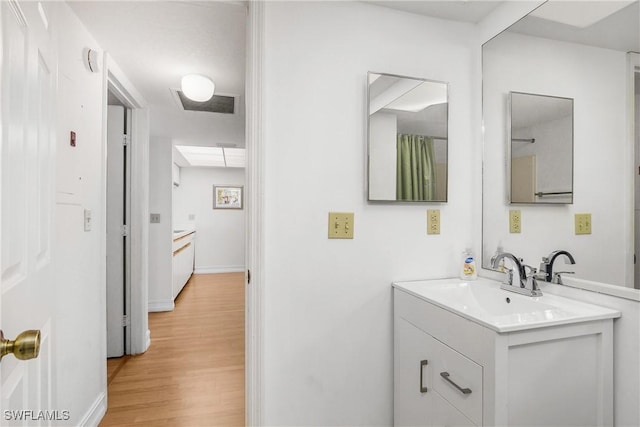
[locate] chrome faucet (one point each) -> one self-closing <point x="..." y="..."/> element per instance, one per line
<point x="546" y="266"/>
<point x="527" y="284"/>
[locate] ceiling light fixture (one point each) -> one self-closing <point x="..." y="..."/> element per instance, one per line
<point x="197" y="87"/>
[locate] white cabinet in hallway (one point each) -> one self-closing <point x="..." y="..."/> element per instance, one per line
<point x="183" y="257"/>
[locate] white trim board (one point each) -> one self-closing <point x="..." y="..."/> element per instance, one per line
<point x="94" y="415"/>
<point x="219" y="269"/>
<point x="159" y="305"/>
<point x="254" y="186"/>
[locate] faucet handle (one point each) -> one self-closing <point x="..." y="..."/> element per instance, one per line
<point x="557" y="278"/>
<point x="532" y="270"/>
<point x="508" y="279"/>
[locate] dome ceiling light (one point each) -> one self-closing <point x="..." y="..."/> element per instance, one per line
<point x="197" y="87"/>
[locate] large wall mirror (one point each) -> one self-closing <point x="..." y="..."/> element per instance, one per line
<point x="407" y="139"/>
<point x="541" y="148"/>
<point x="578" y="51"/>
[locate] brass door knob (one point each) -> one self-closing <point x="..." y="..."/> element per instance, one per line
<point x="26" y="346"/>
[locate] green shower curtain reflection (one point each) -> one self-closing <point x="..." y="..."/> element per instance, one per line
<point x="415" y="168"/>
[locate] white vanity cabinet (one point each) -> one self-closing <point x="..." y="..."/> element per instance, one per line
<point x="452" y="371"/>
<point x="183" y="257"/>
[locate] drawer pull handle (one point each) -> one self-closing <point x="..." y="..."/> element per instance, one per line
<point x="177" y="251"/>
<point x="445" y="375"/>
<point x="423" y="363"/>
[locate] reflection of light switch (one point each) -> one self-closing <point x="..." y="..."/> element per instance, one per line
<point x="340" y="225"/>
<point x="87" y="220"/>
<point x="433" y="221"/>
<point x="583" y="223"/>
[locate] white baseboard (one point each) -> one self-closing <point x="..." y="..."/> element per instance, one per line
<point x="95" y="414"/>
<point x="148" y="343"/>
<point x="161" y="305"/>
<point x="220" y="269"/>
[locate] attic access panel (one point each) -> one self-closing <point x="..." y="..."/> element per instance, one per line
<point x="217" y="104"/>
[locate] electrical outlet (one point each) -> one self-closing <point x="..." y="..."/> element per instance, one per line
<point x="340" y="225"/>
<point x="515" y="221"/>
<point x="433" y="221"/>
<point x="583" y="223"/>
<point x="154" y="218"/>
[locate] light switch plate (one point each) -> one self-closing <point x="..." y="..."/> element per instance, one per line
<point x="583" y="223"/>
<point x="340" y="225"/>
<point x="87" y="220"/>
<point x="433" y="221"/>
<point x="515" y="221"/>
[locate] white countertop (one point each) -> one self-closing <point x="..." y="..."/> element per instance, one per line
<point x="482" y="301"/>
<point x="177" y="234"/>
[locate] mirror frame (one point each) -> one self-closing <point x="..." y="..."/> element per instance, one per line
<point x="368" y="144"/>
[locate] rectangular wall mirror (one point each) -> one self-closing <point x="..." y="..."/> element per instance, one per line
<point x="588" y="68"/>
<point x="541" y="161"/>
<point x="407" y="139"/>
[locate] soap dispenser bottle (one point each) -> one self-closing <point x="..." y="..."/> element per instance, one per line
<point x="468" y="271"/>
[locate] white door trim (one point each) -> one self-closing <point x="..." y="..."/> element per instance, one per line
<point x="254" y="171"/>
<point x="633" y="63"/>
<point x="116" y="81"/>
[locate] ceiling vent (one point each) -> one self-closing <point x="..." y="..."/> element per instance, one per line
<point x="224" y="104"/>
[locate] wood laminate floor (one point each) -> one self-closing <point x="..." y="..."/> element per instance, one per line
<point x="193" y="373"/>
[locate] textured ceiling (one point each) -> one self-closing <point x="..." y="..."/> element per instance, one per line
<point x="155" y="43"/>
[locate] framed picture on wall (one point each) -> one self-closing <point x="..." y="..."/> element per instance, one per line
<point x="227" y="197"/>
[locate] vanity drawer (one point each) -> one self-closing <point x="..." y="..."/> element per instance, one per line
<point x="459" y="380"/>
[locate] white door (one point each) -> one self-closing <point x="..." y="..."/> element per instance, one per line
<point x="27" y="163"/>
<point x="116" y="219"/>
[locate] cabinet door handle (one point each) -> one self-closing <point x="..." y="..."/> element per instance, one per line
<point x="423" y="363"/>
<point x="445" y="375"/>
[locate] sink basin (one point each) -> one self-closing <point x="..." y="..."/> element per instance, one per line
<point x="482" y="301"/>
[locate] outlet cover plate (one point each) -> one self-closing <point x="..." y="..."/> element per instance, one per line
<point x="515" y="221"/>
<point x="433" y="221"/>
<point x="341" y="225"/>
<point x="583" y="223"/>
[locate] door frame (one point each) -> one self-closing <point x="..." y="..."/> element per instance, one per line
<point x="633" y="66"/>
<point x="115" y="81"/>
<point x="254" y="247"/>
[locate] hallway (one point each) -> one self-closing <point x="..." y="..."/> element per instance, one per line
<point x="193" y="373"/>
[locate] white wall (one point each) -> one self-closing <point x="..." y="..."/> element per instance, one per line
<point x="328" y="327"/>
<point x="382" y="156"/>
<point x="553" y="149"/>
<point x="596" y="79"/>
<point x="79" y="328"/>
<point x="220" y="233"/>
<point x="160" y="234"/>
